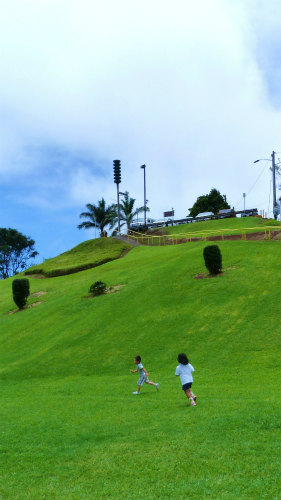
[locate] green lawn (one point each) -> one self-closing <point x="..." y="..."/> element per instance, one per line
<point x="228" y="225"/>
<point x="71" y="428"/>
<point x="88" y="254"/>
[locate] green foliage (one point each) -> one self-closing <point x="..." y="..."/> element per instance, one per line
<point x="97" y="288"/>
<point x="212" y="202"/>
<point x="99" y="216"/>
<point x="213" y="259"/>
<point x="127" y="210"/>
<point x="20" y="291"/>
<point x="15" y="252"/>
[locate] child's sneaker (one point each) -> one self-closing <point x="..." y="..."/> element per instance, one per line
<point x="192" y="403"/>
<point x="136" y="392"/>
<point x="194" y="398"/>
<point x="157" y="387"/>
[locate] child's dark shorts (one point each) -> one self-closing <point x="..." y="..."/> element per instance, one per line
<point x="187" y="386"/>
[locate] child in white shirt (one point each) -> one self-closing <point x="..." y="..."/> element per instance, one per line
<point x="184" y="371"/>
<point x="143" y="375"/>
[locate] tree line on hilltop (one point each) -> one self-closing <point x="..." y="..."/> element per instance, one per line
<point x="101" y="216"/>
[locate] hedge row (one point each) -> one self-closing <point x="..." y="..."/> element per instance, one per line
<point x="69" y="270"/>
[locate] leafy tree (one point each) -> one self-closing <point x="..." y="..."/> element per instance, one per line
<point x="212" y="202"/>
<point x="127" y="211"/>
<point x="99" y="216"/>
<point x="15" y="252"/>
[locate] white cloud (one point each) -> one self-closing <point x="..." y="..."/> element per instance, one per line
<point x="177" y="86"/>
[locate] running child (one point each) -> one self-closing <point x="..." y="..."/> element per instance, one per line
<point x="184" y="371"/>
<point x="143" y="375"/>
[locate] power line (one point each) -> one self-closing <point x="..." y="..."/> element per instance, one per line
<point x="270" y="182"/>
<point x="252" y="187"/>
<point x="256" y="180"/>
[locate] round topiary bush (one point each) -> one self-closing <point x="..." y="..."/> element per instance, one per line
<point x="20" y="291"/>
<point x="97" y="288"/>
<point x="213" y="259"/>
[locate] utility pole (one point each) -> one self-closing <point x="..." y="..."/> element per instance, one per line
<point x="275" y="208"/>
<point x="244" y="196"/>
<point x="273" y="168"/>
<point x="144" y="181"/>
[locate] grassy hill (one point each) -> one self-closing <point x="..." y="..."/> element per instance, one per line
<point x="71" y="427"/>
<point x="228" y="225"/>
<point x="91" y="253"/>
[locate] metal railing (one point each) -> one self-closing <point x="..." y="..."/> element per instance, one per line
<point x="205" y="235"/>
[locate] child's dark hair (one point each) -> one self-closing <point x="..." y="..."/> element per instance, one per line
<point x="138" y="358"/>
<point x="183" y="359"/>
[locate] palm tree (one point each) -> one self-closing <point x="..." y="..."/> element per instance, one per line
<point x="127" y="212"/>
<point x="100" y="216"/>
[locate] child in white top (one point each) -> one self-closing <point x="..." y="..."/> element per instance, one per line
<point x="143" y="375"/>
<point x="184" y="371"/>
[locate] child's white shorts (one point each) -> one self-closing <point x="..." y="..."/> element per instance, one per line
<point x="143" y="380"/>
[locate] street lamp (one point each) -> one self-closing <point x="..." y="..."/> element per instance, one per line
<point x="144" y="194"/>
<point x="274" y="167"/>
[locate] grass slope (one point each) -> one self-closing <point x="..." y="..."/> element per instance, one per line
<point x="229" y="226"/>
<point x="71" y="427"/>
<point x="91" y="253"/>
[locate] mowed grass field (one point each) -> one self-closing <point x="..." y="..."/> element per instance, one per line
<point x="232" y="225"/>
<point x="70" y="426"/>
<point x="89" y="254"/>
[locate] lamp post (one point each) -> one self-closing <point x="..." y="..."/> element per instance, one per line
<point x="244" y="196"/>
<point x="119" y="216"/>
<point x="273" y="168"/>
<point x="275" y="207"/>
<point x="144" y="189"/>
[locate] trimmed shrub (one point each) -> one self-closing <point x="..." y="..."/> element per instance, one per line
<point x="20" y="291"/>
<point x="97" y="288"/>
<point x="213" y="259"/>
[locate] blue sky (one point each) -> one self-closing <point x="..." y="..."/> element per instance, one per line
<point x="190" y="89"/>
